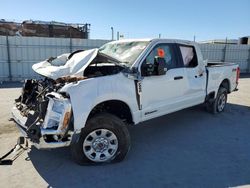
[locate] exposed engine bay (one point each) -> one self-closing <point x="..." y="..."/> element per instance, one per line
<point x="33" y="104"/>
<point x="47" y="110"/>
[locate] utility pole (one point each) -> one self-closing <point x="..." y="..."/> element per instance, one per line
<point x="118" y="35"/>
<point x="112" y="33"/>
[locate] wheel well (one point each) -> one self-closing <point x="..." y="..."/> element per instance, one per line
<point x="225" y="83"/>
<point x="210" y="97"/>
<point x="115" y="107"/>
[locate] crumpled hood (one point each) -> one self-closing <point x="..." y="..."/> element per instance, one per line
<point x="61" y="66"/>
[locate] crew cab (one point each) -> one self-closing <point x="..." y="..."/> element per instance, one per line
<point x="87" y="99"/>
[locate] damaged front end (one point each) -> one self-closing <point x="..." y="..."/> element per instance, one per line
<point x="43" y="114"/>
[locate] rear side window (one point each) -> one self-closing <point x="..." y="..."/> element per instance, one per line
<point x="189" y="56"/>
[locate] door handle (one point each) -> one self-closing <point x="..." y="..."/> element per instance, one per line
<point x="200" y="75"/>
<point x="178" y="77"/>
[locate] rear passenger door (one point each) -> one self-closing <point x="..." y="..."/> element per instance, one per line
<point x="195" y="73"/>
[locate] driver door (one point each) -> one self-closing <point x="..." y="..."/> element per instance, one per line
<point x="162" y="94"/>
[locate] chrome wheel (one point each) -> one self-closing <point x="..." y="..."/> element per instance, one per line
<point x="100" y="145"/>
<point x="221" y="102"/>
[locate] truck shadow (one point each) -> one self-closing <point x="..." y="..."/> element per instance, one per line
<point x="189" y="148"/>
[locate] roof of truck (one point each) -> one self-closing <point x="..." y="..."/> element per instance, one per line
<point x="155" y="40"/>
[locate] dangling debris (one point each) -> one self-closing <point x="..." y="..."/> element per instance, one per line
<point x="15" y="152"/>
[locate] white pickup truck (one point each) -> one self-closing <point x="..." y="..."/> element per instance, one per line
<point x="87" y="99"/>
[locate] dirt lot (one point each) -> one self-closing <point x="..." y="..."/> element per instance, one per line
<point x="190" y="148"/>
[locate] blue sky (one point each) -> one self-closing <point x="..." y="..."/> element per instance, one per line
<point x="210" y="19"/>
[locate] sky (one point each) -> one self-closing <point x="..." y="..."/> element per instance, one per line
<point x="181" y="19"/>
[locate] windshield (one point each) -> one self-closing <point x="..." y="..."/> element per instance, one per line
<point x="125" y="52"/>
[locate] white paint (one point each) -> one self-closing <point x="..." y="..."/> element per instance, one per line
<point x="161" y="94"/>
<point x="62" y="66"/>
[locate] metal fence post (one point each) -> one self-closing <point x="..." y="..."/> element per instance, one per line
<point x="70" y="45"/>
<point x="70" y="41"/>
<point x="225" y="51"/>
<point x="8" y="56"/>
<point x="248" y="60"/>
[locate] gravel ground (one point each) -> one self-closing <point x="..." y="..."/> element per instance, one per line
<point x="189" y="148"/>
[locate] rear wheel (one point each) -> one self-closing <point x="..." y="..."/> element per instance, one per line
<point x="218" y="105"/>
<point x="104" y="139"/>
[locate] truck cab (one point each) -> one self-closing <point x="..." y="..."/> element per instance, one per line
<point x="184" y="83"/>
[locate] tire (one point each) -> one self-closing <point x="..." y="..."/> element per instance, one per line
<point x="104" y="139"/>
<point x="218" y="105"/>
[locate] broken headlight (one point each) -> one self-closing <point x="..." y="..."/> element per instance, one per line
<point x="58" y="109"/>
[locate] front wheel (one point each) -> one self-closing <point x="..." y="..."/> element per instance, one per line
<point x="104" y="139"/>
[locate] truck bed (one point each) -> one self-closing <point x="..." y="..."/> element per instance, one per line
<point x="219" y="64"/>
<point x="219" y="71"/>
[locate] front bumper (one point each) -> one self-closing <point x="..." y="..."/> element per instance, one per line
<point x="42" y="144"/>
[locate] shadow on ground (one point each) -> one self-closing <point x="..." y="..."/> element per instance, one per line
<point x="189" y="148"/>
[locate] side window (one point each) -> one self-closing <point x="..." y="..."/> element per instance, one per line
<point x="189" y="56"/>
<point x="162" y="50"/>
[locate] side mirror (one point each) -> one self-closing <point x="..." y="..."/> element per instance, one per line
<point x="158" y="68"/>
<point x="147" y="69"/>
<point x="160" y="65"/>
